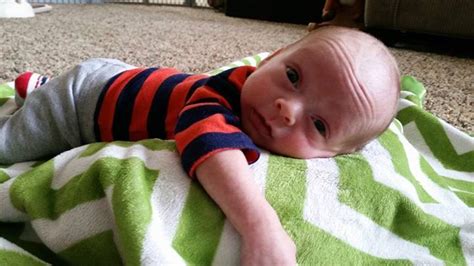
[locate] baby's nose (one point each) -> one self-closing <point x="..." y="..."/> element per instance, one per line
<point x="288" y="110"/>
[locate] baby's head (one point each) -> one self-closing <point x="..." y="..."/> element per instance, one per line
<point x="329" y="93"/>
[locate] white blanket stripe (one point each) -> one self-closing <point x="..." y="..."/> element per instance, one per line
<point x="467" y="238"/>
<point x="168" y="199"/>
<point x="450" y="209"/>
<point x="434" y="190"/>
<point x="228" y="250"/>
<point x="83" y="221"/>
<point x="8" y="212"/>
<point x="323" y="209"/>
<point x="460" y="141"/>
<point x="402" y="104"/>
<point x="412" y="133"/>
<point x="18" y="169"/>
<point x="68" y="169"/>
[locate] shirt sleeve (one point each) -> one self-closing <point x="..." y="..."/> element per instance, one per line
<point x="210" y="122"/>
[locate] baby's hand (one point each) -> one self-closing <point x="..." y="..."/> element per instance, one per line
<point x="270" y="245"/>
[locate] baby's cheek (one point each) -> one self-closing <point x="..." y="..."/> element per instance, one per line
<point x="296" y="147"/>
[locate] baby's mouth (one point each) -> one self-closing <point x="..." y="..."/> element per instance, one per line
<point x="260" y="124"/>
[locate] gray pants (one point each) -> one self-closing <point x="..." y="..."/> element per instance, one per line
<point x="57" y="116"/>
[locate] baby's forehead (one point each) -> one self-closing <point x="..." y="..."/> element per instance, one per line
<point x="353" y="44"/>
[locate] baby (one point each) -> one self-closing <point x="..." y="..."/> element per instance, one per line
<point x="327" y="94"/>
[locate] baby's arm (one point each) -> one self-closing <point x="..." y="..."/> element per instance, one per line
<point x="227" y="179"/>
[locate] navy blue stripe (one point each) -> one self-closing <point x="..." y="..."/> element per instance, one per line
<point x="159" y="109"/>
<point x="221" y="84"/>
<point x="193" y="115"/>
<point x="205" y="100"/>
<point x="125" y="103"/>
<point x="195" y="86"/>
<point x="99" y="105"/>
<point x="209" y="142"/>
<point x="43" y="80"/>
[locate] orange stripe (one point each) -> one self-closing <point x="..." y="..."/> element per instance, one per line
<point x="144" y="100"/>
<point x="194" y="105"/>
<point x="213" y="124"/>
<point x="207" y="92"/>
<point x="176" y="103"/>
<point x="107" y="110"/>
<point x="239" y="76"/>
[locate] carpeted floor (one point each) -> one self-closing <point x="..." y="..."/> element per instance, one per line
<point x="196" y="40"/>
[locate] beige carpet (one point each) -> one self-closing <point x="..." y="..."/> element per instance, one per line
<point x="196" y="40"/>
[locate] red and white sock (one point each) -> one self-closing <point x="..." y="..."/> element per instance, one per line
<point x="25" y="83"/>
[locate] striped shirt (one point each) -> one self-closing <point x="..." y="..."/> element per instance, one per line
<point x="201" y="113"/>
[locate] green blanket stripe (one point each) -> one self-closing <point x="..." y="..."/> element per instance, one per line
<point x="12" y="232"/>
<point x="3" y="177"/>
<point x="409" y="83"/>
<point x="258" y="59"/>
<point x="467" y="186"/>
<point x="3" y="101"/>
<point x="199" y="229"/>
<point x="31" y="192"/>
<point x="437" y="140"/>
<point x="13" y="258"/>
<point x="246" y="62"/>
<point x="431" y="174"/>
<point x="392" y="144"/>
<point x="133" y="184"/>
<point x="400" y="215"/>
<point x="131" y="199"/>
<point x="466" y="189"/>
<point x="6" y="92"/>
<point x="286" y="177"/>
<point x="91" y="184"/>
<point x="467" y="198"/>
<point x="83" y="188"/>
<point x="93" y="149"/>
<point x="100" y="250"/>
<point x="151" y="144"/>
<point x="37" y="163"/>
<point x="30" y="188"/>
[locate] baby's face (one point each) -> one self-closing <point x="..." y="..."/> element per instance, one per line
<point x="307" y="103"/>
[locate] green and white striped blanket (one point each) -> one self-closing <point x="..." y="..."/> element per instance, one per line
<point x="406" y="198"/>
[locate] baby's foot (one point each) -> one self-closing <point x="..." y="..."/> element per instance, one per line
<point x="25" y="83"/>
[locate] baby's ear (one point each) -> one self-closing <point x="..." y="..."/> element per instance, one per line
<point x="264" y="61"/>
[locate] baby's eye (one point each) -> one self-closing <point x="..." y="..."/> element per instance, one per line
<point x="292" y="75"/>
<point x="319" y="125"/>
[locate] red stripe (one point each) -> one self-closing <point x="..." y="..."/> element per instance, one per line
<point x="177" y="101"/>
<point x="21" y="83"/>
<point x="213" y="124"/>
<point x="205" y="92"/>
<point x="107" y="110"/>
<point x="239" y="76"/>
<point x="143" y="101"/>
